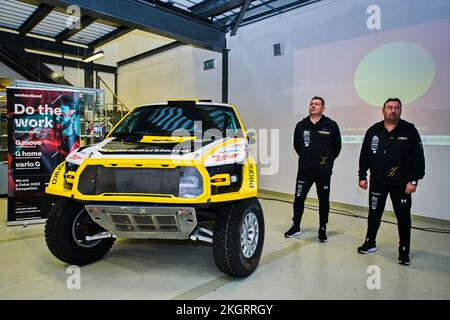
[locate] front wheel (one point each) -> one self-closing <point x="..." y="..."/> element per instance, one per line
<point x="66" y="229"/>
<point x="238" y="237"/>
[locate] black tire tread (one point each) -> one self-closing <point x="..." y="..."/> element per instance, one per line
<point x="58" y="241"/>
<point x="225" y="255"/>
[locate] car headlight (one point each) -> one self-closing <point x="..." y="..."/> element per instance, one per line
<point x="191" y="183"/>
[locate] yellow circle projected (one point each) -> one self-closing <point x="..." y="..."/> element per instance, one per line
<point x="397" y="69"/>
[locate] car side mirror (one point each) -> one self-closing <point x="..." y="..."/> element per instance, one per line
<point x="251" y="136"/>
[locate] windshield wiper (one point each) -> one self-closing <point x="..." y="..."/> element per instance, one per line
<point x="158" y="134"/>
<point x="166" y="134"/>
<point x="127" y="136"/>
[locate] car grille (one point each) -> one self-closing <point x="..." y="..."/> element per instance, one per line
<point x="96" y="180"/>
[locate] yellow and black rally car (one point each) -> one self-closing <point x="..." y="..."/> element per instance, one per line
<point x="175" y="170"/>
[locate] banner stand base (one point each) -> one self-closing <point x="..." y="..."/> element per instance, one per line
<point x="24" y="222"/>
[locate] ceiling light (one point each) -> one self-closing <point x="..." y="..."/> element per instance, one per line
<point x="95" y="56"/>
<point x="71" y="43"/>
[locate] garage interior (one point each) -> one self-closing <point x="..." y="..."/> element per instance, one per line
<point x="268" y="58"/>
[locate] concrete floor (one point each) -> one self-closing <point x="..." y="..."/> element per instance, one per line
<point x="297" y="268"/>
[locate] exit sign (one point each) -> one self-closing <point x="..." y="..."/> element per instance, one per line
<point x="209" y="64"/>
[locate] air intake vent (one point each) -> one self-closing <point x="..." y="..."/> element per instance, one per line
<point x="120" y="219"/>
<point x="143" y="220"/>
<point x="166" y="219"/>
<point x="133" y="222"/>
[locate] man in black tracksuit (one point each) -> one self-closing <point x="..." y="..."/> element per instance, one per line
<point x="392" y="150"/>
<point x="317" y="141"/>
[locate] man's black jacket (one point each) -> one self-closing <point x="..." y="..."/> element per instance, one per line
<point x="394" y="157"/>
<point x="317" y="145"/>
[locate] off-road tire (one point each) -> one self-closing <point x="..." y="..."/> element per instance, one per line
<point x="227" y="251"/>
<point x="60" y="239"/>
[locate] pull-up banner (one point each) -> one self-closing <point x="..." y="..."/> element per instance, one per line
<point x="43" y="128"/>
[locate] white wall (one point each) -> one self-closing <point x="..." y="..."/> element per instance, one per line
<point x="130" y="44"/>
<point x="108" y="78"/>
<point x="177" y="73"/>
<point x="126" y="46"/>
<point x="262" y="87"/>
<point x="75" y="76"/>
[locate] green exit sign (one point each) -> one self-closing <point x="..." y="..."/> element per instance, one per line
<point x="209" y="64"/>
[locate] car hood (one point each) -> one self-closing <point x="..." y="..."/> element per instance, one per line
<point x="224" y="153"/>
<point x="136" y="147"/>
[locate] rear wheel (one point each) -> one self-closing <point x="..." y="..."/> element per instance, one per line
<point x="238" y="237"/>
<point x="66" y="229"/>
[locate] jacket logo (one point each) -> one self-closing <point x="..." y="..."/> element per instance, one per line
<point x="374" y="144"/>
<point x="402" y="138"/>
<point x="306" y="138"/>
<point x="323" y="132"/>
<point x="323" y="161"/>
<point x="393" y="171"/>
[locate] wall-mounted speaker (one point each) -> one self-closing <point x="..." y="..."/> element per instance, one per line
<point x="278" y="49"/>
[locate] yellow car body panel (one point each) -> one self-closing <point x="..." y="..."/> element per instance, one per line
<point x="63" y="186"/>
<point x="57" y="185"/>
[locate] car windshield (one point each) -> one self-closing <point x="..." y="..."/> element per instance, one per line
<point x="168" y="120"/>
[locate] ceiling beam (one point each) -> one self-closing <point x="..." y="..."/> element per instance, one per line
<point x="258" y="13"/>
<point x="69" y="32"/>
<point x="241" y="16"/>
<point x="150" y="53"/>
<point x="72" y="63"/>
<point x="171" y="6"/>
<point x="278" y="10"/>
<point x="152" y="18"/>
<point x="18" y="65"/>
<point x="110" y="36"/>
<point x="33" y="20"/>
<point x="229" y="20"/>
<point x="30" y="67"/>
<point x="211" y="8"/>
<point x="18" y="41"/>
